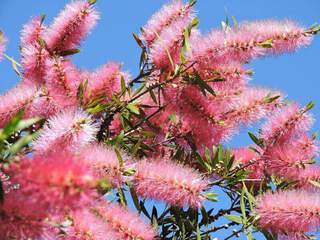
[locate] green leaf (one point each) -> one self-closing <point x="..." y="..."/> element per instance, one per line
<point x="234" y="21"/>
<point x="22" y="142"/>
<point x="123" y="85"/>
<point x="211" y="197"/>
<point x="138" y="40"/>
<point x="267" y="43"/>
<point x="234" y="218"/>
<point x="69" y="52"/>
<point x="135" y="199"/>
<point x="119" y="156"/>
<point x="255" y="139"/>
<point x="122" y="197"/>
<point x="243" y="206"/>
<point x="11" y="127"/>
<point x="92" y="2"/>
<point x="14" y="64"/>
<point x="133" y="108"/>
<point x="198" y="233"/>
<point x="310" y="105"/>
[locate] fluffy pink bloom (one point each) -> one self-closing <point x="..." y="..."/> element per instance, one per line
<point x="285" y="123"/>
<point x="165" y="52"/>
<point x="15" y="100"/>
<point x="62" y="80"/>
<point x="164" y="18"/>
<point x="106" y="81"/>
<point x="71" y="26"/>
<point x="309" y="173"/>
<point x="246" y="41"/>
<point x="169" y="182"/>
<point x="32" y="31"/>
<point x="125" y="223"/>
<point x="71" y="129"/>
<point x="2" y="45"/>
<point x="224" y="79"/>
<point x="252" y="105"/>
<point x="292" y="211"/>
<point x="251" y="159"/>
<point x="201" y="116"/>
<point x="53" y="183"/>
<point x="285" y="160"/>
<point x="87" y="225"/>
<point x="104" y="162"/>
<point x="33" y="60"/>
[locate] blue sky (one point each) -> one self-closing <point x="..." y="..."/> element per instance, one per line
<point x="297" y="75"/>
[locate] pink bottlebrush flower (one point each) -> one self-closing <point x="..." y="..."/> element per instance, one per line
<point x="125" y="223"/>
<point x="165" y="52"/>
<point x="87" y="225"/>
<point x="169" y="182"/>
<point x="285" y="160"/>
<point x="164" y="18"/>
<point x="15" y="100"/>
<point x="309" y="173"/>
<point x="106" y="81"/>
<point x="224" y="79"/>
<point x="201" y="112"/>
<point x="71" y="129"/>
<point x="62" y="80"/>
<point x="33" y="61"/>
<point x="104" y="162"/>
<point x="287" y="122"/>
<point x="251" y="159"/>
<point x="293" y="211"/>
<point x="286" y="35"/>
<point x="53" y="184"/>
<point x="42" y="105"/>
<point x="32" y="31"/>
<point x="71" y="26"/>
<point x="293" y="236"/>
<point x="252" y="105"/>
<point x="2" y="44"/>
<point x="247" y="41"/>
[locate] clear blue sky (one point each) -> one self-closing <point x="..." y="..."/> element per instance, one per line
<point x="297" y="74"/>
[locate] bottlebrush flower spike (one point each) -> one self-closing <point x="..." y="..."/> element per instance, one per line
<point x="106" y="81"/>
<point x="32" y="31"/>
<point x="104" y="162"/>
<point x="71" y="26"/>
<point x="293" y="211"/>
<point x="285" y="160"/>
<point x="247" y="41"/>
<point x="54" y="183"/>
<point x="309" y="173"/>
<point x="164" y="18"/>
<point x="202" y="113"/>
<point x="62" y="80"/>
<point x="33" y="60"/>
<point x="71" y="129"/>
<point x="15" y="100"/>
<point x="252" y="105"/>
<point x="2" y="45"/>
<point x="87" y="226"/>
<point x="285" y="123"/>
<point x="165" y="52"/>
<point x="125" y="223"/>
<point x="169" y="182"/>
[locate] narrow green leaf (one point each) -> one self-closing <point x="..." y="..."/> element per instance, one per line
<point x="122" y="197"/>
<point x="267" y="43"/>
<point x="234" y="218"/>
<point x="133" y="108"/>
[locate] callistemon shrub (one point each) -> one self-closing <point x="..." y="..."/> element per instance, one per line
<point x="102" y="155"/>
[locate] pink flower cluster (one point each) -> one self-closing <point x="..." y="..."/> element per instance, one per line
<point x="203" y="99"/>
